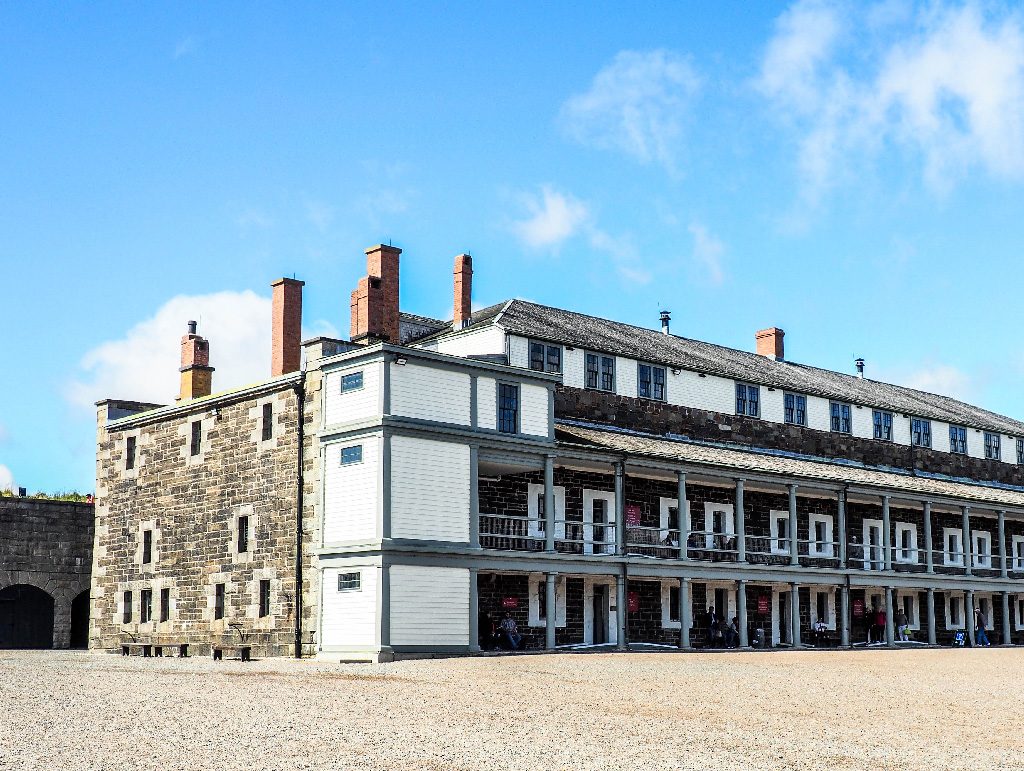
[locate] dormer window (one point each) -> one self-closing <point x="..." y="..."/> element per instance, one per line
<point x="600" y="372"/>
<point x="840" y="417"/>
<point x="796" y="409"/>
<point x="882" y="422"/>
<point x="921" y="432"/>
<point x="748" y="400"/>
<point x="992" y="446"/>
<point x="545" y="357"/>
<point x="958" y="440"/>
<point x="650" y="382"/>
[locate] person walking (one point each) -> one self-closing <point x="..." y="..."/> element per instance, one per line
<point x="980" y="623"/>
<point x="902" y="624"/>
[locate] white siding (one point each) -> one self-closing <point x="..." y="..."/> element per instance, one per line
<point x="573" y="366"/>
<point x="625" y="376"/>
<point x="940" y="436"/>
<point x="975" y="443"/>
<point x="353" y="405"/>
<point x="900" y="428"/>
<point x="818" y="415"/>
<point x="860" y="421"/>
<point x="430" y="393"/>
<point x="534" y="410"/>
<point x="518" y="352"/>
<point x="350" y="617"/>
<point x="429" y="489"/>
<point x="487" y="402"/>
<point x="704" y="393"/>
<point x="772" y="405"/>
<point x="489" y="340"/>
<point x="1008" y="449"/>
<point x="350" y="492"/>
<point x="429" y="605"/>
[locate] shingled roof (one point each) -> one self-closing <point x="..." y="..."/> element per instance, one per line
<point x="528" y="319"/>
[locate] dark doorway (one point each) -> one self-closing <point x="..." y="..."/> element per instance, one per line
<point x="26" y="617"/>
<point x="785" y="621"/>
<point x="600" y="614"/>
<point x="80" y="621"/>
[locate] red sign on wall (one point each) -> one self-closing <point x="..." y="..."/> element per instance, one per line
<point x="633" y="516"/>
<point x="858" y="608"/>
<point x="762" y="605"/>
<point x="633" y="602"/>
<point x="510" y="603"/>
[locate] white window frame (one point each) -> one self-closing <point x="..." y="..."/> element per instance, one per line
<point x="664" y="504"/>
<point x="812" y="546"/>
<point x="1017" y="553"/>
<point x="977" y="537"/>
<point x="1018" y="607"/>
<point x="709" y="520"/>
<point x="773" y="531"/>
<point x="914" y="618"/>
<point x="912" y="558"/>
<point x="533" y="510"/>
<point x="963" y="609"/>
<point x="537" y="584"/>
<point x="869" y="559"/>
<point x="666" y="605"/>
<point x="589" y="496"/>
<point x="950" y="558"/>
<point x="830" y="605"/>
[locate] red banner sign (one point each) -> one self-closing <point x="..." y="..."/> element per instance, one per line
<point x="762" y="605"/>
<point x="633" y="516"/>
<point x="858" y="608"/>
<point x="510" y="603"/>
<point x="633" y="602"/>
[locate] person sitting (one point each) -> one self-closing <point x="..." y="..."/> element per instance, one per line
<point x="732" y="633"/>
<point x="668" y="540"/>
<point x="508" y="633"/>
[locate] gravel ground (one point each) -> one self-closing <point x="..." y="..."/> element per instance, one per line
<point x="785" y="710"/>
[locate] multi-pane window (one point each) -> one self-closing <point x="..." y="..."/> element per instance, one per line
<point x="992" y="446"/>
<point x="165" y="604"/>
<point x="545" y="357"/>
<point x="508" y="408"/>
<point x="1020" y="452"/>
<point x="651" y="382"/>
<point x="795" y="409"/>
<point x="600" y="372"/>
<point x="126" y="608"/>
<point x="243" y="534"/>
<point x="197" y="437"/>
<point x="264" y="598"/>
<point x="268" y="421"/>
<point x="882" y="422"/>
<point x="218" y="601"/>
<point x="840" y="414"/>
<point x="673" y="603"/>
<point x="348" y="582"/>
<point x="958" y="440"/>
<point x="147" y="547"/>
<point x="129" y="453"/>
<point x="921" y="432"/>
<point x="351" y="381"/>
<point x="146" y="605"/>
<point x="748" y="400"/>
<point x="353" y="454"/>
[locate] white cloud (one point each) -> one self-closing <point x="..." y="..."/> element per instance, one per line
<point x="142" y="365"/>
<point x="936" y="378"/>
<point x="707" y="253"/>
<point x="320" y="328"/>
<point x="636" y="104"/>
<point x="944" y="82"/>
<point x="185" y="47"/>
<point x="553" y="217"/>
<point x="6" y="478"/>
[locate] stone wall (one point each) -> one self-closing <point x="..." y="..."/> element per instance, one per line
<point x="47" y="545"/>
<point x="660" y="418"/>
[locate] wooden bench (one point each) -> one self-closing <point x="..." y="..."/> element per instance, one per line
<point x="244" y="651"/>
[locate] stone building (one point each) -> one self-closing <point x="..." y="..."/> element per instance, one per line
<point x="45" y="557"/>
<point x="395" y="493"/>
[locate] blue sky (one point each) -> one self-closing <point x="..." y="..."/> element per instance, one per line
<point x="850" y="172"/>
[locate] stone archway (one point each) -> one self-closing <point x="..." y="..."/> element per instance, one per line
<point x="26" y="617"/>
<point x="80" y="620"/>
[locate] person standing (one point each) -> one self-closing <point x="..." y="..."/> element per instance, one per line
<point x="902" y="624"/>
<point x="980" y="623"/>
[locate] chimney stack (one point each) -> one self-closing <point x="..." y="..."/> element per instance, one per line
<point x="374" y="303"/>
<point x="859" y="363"/>
<point x="463" y="292"/>
<point x="666" y="317"/>
<point x="770" y="343"/>
<point x="196" y="372"/>
<point x="286" y="327"/>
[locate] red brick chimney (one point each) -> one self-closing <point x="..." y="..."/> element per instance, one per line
<point x="463" y="291"/>
<point x="286" y="327"/>
<point x="196" y="372"/>
<point x="770" y="343"/>
<point x="374" y="303"/>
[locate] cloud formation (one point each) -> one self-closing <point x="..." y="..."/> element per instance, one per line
<point x="941" y="379"/>
<point x="6" y="478"/>
<point x="636" y="104"/>
<point x="552" y="218"/>
<point x="943" y="82"/>
<point x="143" y="363"/>
<point x="707" y="253"/>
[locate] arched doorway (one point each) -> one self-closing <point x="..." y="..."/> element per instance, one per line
<point x="26" y="617"/>
<point x="80" y="620"/>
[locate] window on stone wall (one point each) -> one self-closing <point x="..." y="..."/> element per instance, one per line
<point x="795" y="409"/>
<point x="748" y="400"/>
<point x="165" y="605"/>
<point x="197" y="437"/>
<point x="264" y="598"/>
<point x="545" y="357"/>
<point x="218" y="601"/>
<point x="268" y="421"/>
<point x="982" y="549"/>
<point x="958" y="440"/>
<point x="129" y="453"/>
<point x="673" y="603"/>
<point x="882" y="425"/>
<point x="146" y="605"/>
<point x="921" y="432"/>
<point x="126" y="612"/>
<point x="992" y="446"/>
<point x="840" y="414"/>
<point x="243" y="534"/>
<point x="600" y="372"/>
<point x="147" y="547"/>
<point x="955" y="617"/>
<point x="542" y="599"/>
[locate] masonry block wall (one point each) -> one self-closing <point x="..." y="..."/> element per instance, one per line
<point x="193" y="506"/>
<point x="46" y="545"/>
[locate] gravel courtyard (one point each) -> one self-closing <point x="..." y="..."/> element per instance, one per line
<point x="847" y="710"/>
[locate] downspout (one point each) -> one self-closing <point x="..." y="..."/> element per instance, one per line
<point x="300" y="393"/>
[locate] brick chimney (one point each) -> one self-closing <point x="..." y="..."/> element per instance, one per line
<point x="196" y="372"/>
<point x="770" y="343"/>
<point x="374" y="303"/>
<point x="286" y="327"/>
<point x="463" y="291"/>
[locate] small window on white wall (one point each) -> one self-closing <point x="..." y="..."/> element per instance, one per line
<point x="906" y="542"/>
<point x="982" y="548"/>
<point x="779" y="532"/>
<point x="820" y="527"/>
<point x="535" y="508"/>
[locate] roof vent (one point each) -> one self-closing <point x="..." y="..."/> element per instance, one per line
<point x="859" y="363"/>
<point x="666" y="317"/>
<point x="192" y="327"/>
